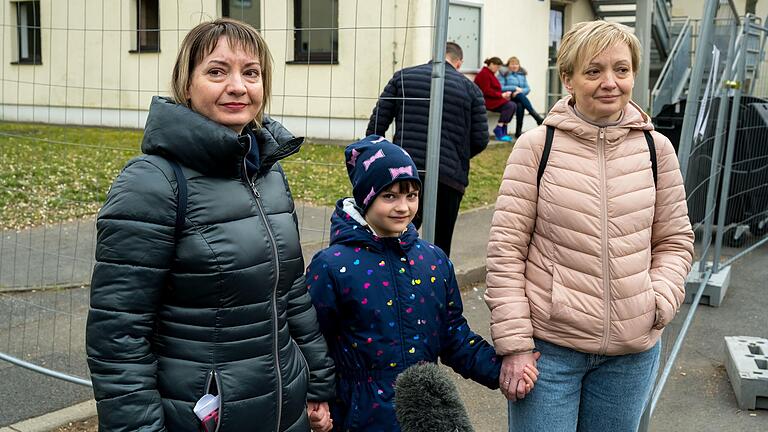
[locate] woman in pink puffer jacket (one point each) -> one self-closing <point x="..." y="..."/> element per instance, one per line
<point x="587" y="264"/>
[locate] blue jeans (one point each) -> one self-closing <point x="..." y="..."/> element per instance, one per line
<point x="586" y="392"/>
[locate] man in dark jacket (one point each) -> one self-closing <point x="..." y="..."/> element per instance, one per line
<point x="405" y="99"/>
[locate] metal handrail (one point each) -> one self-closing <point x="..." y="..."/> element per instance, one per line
<point x="672" y="54"/>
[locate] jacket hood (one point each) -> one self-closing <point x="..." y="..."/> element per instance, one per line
<point x="504" y="71"/>
<point x="348" y="226"/>
<point x="562" y="116"/>
<point x="175" y="131"/>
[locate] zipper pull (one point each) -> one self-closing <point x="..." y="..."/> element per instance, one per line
<point x="255" y="191"/>
<point x="601" y="133"/>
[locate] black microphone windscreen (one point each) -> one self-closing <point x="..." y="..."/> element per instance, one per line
<point x="426" y="400"/>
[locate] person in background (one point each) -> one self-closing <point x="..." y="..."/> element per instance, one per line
<point x="405" y="100"/>
<point x="587" y="263"/>
<point x="385" y="298"/>
<point x="217" y="304"/>
<point x="513" y="79"/>
<point x="496" y="100"/>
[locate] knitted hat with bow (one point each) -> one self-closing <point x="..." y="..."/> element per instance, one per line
<point x="373" y="163"/>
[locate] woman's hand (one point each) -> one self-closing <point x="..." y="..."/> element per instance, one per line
<point x="319" y="416"/>
<point x="512" y="379"/>
<point x="506" y="95"/>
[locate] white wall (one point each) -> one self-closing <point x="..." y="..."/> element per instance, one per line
<point x="90" y="76"/>
<point x="88" y="71"/>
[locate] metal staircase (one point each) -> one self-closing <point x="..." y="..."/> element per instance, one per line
<point x="662" y="29"/>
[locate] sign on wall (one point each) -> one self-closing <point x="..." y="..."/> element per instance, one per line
<point x="464" y="29"/>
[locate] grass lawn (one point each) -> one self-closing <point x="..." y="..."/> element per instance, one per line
<point x="50" y="174"/>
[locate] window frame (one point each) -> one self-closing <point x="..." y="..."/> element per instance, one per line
<point x="318" y="58"/>
<point x="34" y="46"/>
<point x="226" y="12"/>
<point x="146" y="48"/>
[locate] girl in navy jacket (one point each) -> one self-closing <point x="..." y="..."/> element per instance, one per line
<point x="386" y="299"/>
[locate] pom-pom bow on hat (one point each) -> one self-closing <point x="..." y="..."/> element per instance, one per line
<point x="373" y="164"/>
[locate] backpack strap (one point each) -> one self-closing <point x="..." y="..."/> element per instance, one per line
<point x="181" y="198"/>
<point x="545" y="154"/>
<point x="652" y="150"/>
<point x="548" y="148"/>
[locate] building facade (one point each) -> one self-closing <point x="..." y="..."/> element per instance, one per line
<point x="99" y="62"/>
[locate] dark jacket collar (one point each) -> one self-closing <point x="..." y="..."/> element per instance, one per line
<point x="349" y="227"/>
<point x="175" y="131"/>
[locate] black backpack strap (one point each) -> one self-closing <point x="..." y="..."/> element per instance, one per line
<point x="545" y="154"/>
<point x="181" y="198"/>
<point x="652" y="151"/>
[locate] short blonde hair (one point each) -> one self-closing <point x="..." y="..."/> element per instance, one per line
<point x="513" y="59"/>
<point x="588" y="39"/>
<point x="202" y="40"/>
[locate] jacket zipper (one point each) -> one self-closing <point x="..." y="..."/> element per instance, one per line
<point x="399" y="309"/>
<point x="213" y="376"/>
<point x="276" y="260"/>
<point x="604" y="239"/>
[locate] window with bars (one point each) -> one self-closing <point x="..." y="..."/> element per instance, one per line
<point x="316" y="35"/>
<point x="147" y="26"/>
<point x="248" y="11"/>
<point x="28" y="32"/>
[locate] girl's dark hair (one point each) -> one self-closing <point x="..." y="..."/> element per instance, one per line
<point x="405" y="186"/>
<point x="493" y="60"/>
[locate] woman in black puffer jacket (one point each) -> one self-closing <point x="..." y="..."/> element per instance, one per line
<point x="220" y="306"/>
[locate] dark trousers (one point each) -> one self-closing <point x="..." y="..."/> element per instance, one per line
<point x="507" y="111"/>
<point x="523" y="105"/>
<point x="448" y="201"/>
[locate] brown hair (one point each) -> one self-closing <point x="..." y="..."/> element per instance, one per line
<point x="203" y="39"/>
<point x="493" y="60"/>
<point x="454" y="51"/>
<point x="588" y="39"/>
<point x="406" y="186"/>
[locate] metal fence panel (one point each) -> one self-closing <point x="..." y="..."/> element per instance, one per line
<point x="93" y="65"/>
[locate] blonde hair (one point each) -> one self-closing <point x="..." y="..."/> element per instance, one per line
<point x="588" y="39"/>
<point x="203" y="39"/>
<point x="513" y="59"/>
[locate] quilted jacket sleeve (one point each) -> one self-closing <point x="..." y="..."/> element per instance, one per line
<point x="511" y="229"/>
<point x="462" y="349"/>
<point x="134" y="250"/>
<point x="386" y="108"/>
<point x="303" y="325"/>
<point x="302" y="320"/>
<point x="671" y="235"/>
<point x="479" y="130"/>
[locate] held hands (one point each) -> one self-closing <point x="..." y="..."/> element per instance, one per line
<point x="506" y="95"/>
<point x="319" y="416"/>
<point x="518" y="375"/>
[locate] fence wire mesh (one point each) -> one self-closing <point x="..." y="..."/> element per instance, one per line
<point x="75" y="85"/>
<point x="721" y="146"/>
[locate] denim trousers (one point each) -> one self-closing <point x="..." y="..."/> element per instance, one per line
<point x="586" y="392"/>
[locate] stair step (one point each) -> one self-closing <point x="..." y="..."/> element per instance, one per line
<point x="613" y="2"/>
<point x="615" y="13"/>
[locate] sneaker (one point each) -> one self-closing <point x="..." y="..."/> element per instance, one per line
<point x="498" y="132"/>
<point x="506" y="138"/>
<point x="504" y="129"/>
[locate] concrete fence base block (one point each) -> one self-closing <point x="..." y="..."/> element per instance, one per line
<point x="746" y="360"/>
<point x="715" y="290"/>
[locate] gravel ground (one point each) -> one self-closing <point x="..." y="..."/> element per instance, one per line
<point x="88" y="425"/>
